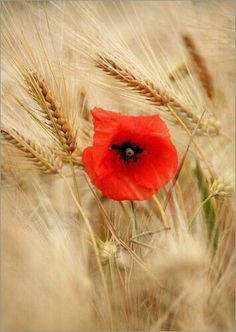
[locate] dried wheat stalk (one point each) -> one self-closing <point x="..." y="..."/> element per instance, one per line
<point x="51" y="111"/>
<point x="200" y="65"/>
<point x="83" y="106"/>
<point x="44" y="160"/>
<point x="157" y="96"/>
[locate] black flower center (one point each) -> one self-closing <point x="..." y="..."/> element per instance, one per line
<point x="128" y="151"/>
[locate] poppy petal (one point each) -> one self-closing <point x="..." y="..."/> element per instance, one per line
<point x="158" y="168"/>
<point x="120" y="188"/>
<point x="87" y="160"/>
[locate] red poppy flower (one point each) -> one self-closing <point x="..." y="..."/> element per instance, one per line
<point x="131" y="157"/>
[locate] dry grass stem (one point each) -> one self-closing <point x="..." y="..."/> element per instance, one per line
<point x="84" y="109"/>
<point x="159" y="207"/>
<point x="150" y="232"/>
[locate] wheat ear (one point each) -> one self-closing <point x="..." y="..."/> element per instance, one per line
<point x="44" y="160"/>
<point x="220" y="188"/>
<point x="180" y="70"/>
<point x="51" y="110"/>
<point x="74" y="157"/>
<point x="157" y="96"/>
<point x="6" y="171"/>
<point x="199" y="64"/>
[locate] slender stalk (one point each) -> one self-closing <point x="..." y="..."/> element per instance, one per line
<point x="74" y="177"/>
<point x="134" y="219"/>
<point x="142" y="244"/>
<point x="162" y="212"/>
<point x="198" y="210"/>
<point x="197" y="146"/>
<point x="149" y="233"/>
<point x="135" y="227"/>
<point x="191" y="137"/>
<point x="95" y="247"/>
<point x="114" y="291"/>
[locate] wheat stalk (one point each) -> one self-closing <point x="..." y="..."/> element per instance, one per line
<point x="51" y="110"/>
<point x="199" y="64"/>
<point x="156" y="96"/>
<point x="42" y="159"/>
<point x="83" y="106"/>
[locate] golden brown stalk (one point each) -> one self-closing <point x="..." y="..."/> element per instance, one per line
<point x="157" y="96"/>
<point x="51" y="110"/>
<point x="42" y="159"/>
<point x="83" y="105"/>
<point x="200" y="65"/>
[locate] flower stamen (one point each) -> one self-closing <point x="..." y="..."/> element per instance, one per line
<point x="128" y="151"/>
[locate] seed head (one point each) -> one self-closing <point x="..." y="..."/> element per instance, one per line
<point x="220" y="188"/>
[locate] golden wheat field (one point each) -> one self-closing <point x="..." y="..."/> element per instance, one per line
<point x="117" y="166"/>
